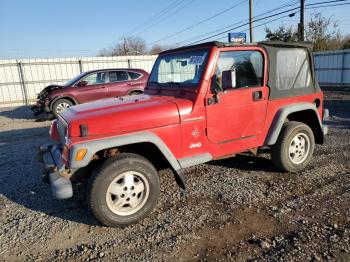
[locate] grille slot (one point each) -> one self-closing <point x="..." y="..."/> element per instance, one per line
<point x="62" y="129"/>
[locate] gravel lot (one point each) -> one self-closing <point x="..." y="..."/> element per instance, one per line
<point x="235" y="209"/>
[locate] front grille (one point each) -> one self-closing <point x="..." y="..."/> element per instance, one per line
<point x="62" y="129"/>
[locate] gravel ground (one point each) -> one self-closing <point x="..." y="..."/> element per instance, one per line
<point x="235" y="209"/>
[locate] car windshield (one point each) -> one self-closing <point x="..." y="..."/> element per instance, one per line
<point x="181" y="68"/>
<point x="72" y="81"/>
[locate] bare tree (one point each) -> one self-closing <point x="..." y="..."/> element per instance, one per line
<point x="157" y="48"/>
<point x="133" y="46"/>
<point x="346" y="42"/>
<point x="126" y="46"/>
<point x="282" y="33"/>
<point x="323" y="32"/>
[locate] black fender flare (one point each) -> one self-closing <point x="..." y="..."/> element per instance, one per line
<point x="282" y="115"/>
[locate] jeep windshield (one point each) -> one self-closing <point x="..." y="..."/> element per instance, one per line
<point x="183" y="68"/>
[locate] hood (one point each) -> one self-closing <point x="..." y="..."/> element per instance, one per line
<point x="48" y="90"/>
<point x="123" y="114"/>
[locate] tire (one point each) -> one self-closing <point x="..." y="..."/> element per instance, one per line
<point x="123" y="190"/>
<point x="294" y="147"/>
<point x="60" y="105"/>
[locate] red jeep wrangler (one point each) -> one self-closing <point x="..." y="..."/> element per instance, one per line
<point x="201" y="103"/>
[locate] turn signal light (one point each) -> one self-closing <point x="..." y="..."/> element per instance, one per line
<point x="80" y="154"/>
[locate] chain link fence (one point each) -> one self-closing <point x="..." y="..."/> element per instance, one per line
<point x="22" y="80"/>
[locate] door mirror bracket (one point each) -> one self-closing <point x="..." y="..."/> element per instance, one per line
<point x="229" y="79"/>
<point x="82" y="83"/>
<point x="213" y="100"/>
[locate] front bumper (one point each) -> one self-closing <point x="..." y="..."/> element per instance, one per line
<point x="325" y="118"/>
<point x="37" y="110"/>
<point x="61" y="186"/>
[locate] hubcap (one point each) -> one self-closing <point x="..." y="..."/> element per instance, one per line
<point x="62" y="106"/>
<point x="299" y="148"/>
<point x="127" y="193"/>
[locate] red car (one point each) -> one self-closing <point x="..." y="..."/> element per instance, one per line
<point x="89" y="86"/>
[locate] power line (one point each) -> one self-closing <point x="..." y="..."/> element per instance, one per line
<point x="328" y="5"/>
<point x="200" y="22"/>
<point x="158" y="14"/>
<point x="230" y="29"/>
<point x="286" y="4"/>
<point x="265" y="23"/>
<point x="327" y="2"/>
<point x="164" y="18"/>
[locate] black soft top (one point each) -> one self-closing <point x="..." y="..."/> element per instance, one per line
<point x="291" y="67"/>
<point x="281" y="44"/>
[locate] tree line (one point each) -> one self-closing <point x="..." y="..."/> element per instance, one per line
<point x="130" y="45"/>
<point x="322" y="31"/>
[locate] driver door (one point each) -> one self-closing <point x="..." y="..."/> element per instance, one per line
<point x="95" y="88"/>
<point x="239" y="112"/>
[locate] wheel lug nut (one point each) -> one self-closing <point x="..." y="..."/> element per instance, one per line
<point x="133" y="194"/>
<point x="122" y="195"/>
<point x="127" y="199"/>
<point x="125" y="188"/>
<point x="132" y="187"/>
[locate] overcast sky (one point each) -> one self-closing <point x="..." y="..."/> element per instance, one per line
<point x="60" y="28"/>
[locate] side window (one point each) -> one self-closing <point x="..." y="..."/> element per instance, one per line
<point x="249" y="67"/>
<point x="134" y="75"/>
<point x="293" y="69"/>
<point x="118" y="76"/>
<point x="95" y="78"/>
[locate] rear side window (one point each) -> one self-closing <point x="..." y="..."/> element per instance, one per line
<point x="249" y="67"/>
<point x="134" y="75"/>
<point x="118" y="76"/>
<point x="293" y="69"/>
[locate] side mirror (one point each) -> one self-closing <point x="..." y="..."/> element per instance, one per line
<point x="82" y="83"/>
<point x="229" y="79"/>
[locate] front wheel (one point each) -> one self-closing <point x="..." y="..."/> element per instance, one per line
<point x="60" y="105"/>
<point x="123" y="190"/>
<point x="294" y="147"/>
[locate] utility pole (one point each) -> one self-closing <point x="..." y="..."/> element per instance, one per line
<point x="251" y="20"/>
<point x="301" y="24"/>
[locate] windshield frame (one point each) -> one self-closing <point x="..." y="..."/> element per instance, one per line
<point x="75" y="79"/>
<point x="175" y="85"/>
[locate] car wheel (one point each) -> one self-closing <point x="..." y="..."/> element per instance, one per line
<point x="123" y="190"/>
<point x="60" y="105"/>
<point x="294" y="147"/>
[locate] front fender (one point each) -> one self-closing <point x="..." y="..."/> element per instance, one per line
<point x="97" y="145"/>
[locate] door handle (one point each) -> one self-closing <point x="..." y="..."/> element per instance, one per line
<point x="257" y="95"/>
<point x="103" y="87"/>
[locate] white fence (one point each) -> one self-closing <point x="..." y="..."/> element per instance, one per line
<point x="333" y="67"/>
<point x="21" y="80"/>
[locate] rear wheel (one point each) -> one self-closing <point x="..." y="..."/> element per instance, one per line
<point x="294" y="147"/>
<point x="123" y="190"/>
<point x="60" y="105"/>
